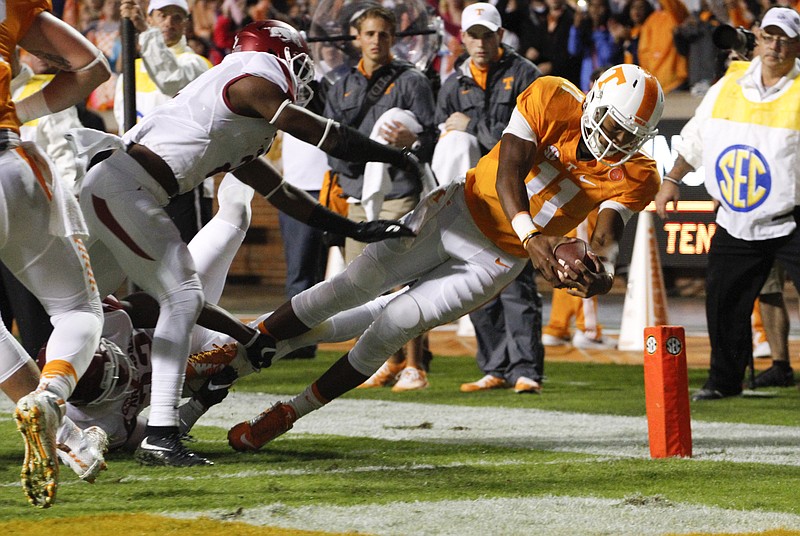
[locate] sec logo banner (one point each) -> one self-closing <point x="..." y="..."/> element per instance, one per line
<point x="744" y="177"/>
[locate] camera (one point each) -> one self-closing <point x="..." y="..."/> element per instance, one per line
<point x="740" y="40"/>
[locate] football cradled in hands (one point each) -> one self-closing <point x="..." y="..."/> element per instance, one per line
<point x="576" y="249"/>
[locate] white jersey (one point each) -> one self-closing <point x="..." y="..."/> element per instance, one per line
<point x="203" y="136"/>
<point x="118" y="417"/>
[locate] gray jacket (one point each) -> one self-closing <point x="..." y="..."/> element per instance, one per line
<point x="411" y="91"/>
<point x="489" y="110"/>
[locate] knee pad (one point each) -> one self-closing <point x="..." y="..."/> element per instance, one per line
<point x="400" y="321"/>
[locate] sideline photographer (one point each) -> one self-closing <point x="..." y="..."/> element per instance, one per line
<point x="746" y="132"/>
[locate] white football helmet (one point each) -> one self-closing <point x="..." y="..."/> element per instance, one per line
<point x="633" y="98"/>
<point x="108" y="377"/>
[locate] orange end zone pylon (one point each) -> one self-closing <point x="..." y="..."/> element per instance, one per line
<point x="666" y="388"/>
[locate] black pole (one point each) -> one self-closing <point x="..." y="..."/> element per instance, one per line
<point x="128" y="73"/>
<point x="334" y="38"/>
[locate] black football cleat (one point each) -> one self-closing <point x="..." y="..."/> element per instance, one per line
<point x="167" y="451"/>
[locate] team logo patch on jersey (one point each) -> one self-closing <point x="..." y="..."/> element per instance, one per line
<point x="743" y="177"/>
<point x="616" y="174"/>
<point x="551" y="152"/>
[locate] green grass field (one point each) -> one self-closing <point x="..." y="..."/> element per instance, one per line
<point x="426" y="467"/>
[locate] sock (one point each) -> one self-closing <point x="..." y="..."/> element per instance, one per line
<point x="307" y="401"/>
<point x="58" y="377"/>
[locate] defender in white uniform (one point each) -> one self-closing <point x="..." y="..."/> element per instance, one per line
<point x="222" y="121"/>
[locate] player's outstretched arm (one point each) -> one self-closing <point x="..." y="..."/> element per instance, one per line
<point x="82" y="67"/>
<point x="670" y="191"/>
<point x="253" y="96"/>
<point x="299" y="205"/>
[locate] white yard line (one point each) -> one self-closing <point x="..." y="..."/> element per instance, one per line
<point x="608" y="437"/>
<point x="604" y="435"/>
<point x="546" y="516"/>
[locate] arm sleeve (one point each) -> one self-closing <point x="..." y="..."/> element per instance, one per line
<point x="169" y="71"/>
<point x="690" y="144"/>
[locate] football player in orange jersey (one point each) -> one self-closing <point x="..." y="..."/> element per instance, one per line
<point x="41" y="242"/>
<point x="562" y="155"/>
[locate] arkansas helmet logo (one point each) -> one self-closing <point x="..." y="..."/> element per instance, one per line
<point x="286" y="35"/>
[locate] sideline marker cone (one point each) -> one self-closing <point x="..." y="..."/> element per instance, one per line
<point x="666" y="389"/>
<point x="645" y="297"/>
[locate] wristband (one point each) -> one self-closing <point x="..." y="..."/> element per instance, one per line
<point x="528" y="237"/>
<point x="522" y="223"/>
<point x="667" y="178"/>
<point x="32" y="107"/>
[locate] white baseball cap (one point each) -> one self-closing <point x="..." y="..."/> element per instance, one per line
<point x="161" y="4"/>
<point x="784" y="18"/>
<point x="481" y="14"/>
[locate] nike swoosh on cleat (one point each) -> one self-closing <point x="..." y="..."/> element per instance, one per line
<point x="148" y="446"/>
<point x="498" y="262"/>
<point x="244" y="440"/>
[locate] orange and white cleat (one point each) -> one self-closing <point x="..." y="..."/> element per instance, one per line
<point x="411" y="379"/>
<point x="249" y="436"/>
<point x="38" y="416"/>
<point x="527" y="385"/>
<point x="385" y="376"/>
<point x="484" y="384"/>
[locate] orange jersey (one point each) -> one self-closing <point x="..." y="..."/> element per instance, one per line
<point x="16" y="20"/>
<point x="562" y="190"/>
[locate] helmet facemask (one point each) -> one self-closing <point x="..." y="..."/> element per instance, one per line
<point x="303" y="68"/>
<point x="602" y="146"/>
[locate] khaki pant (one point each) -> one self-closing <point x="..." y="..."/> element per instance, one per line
<point x="392" y="209"/>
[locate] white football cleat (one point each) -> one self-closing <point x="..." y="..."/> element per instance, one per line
<point x="83" y="450"/>
<point x="581" y="340"/>
<point x="38" y="416"/>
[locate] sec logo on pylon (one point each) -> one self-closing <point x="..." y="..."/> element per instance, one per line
<point x="674" y="345"/>
<point x="651" y="344"/>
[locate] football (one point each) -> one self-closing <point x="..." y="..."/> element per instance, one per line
<point x="576" y="249"/>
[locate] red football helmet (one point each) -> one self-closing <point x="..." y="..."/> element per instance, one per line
<point x="286" y="44"/>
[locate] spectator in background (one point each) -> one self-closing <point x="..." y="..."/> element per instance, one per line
<point x="775" y="319"/>
<point x="591" y="40"/>
<point x="104" y="33"/>
<point x="657" y="51"/>
<point x="401" y="115"/>
<point x="165" y="67"/>
<point x="473" y="109"/>
<point x="693" y="40"/>
<point x="633" y="17"/>
<point x="204" y="14"/>
<point x="746" y="131"/>
<point x="545" y="38"/>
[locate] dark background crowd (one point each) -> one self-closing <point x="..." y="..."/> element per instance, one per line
<point x="670" y="38"/>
